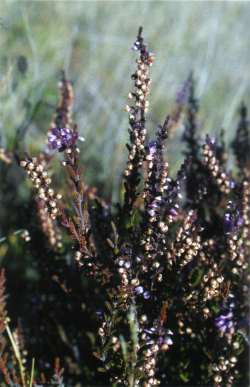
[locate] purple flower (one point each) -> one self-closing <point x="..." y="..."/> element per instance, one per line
<point x="173" y="212"/>
<point x="152" y="148"/>
<point x="161" y="340"/>
<point x="99" y="312"/>
<point x="239" y="221"/>
<point x="154" y="205"/>
<point x="146" y="295"/>
<point x="150" y="330"/>
<point x="127" y="265"/>
<point x="151" y="212"/>
<point x="168" y="340"/>
<point x="232" y="184"/>
<point x="165" y="340"/>
<point x="160" y="334"/>
<point x="229" y="224"/>
<point x="232" y="222"/>
<point x="139" y="290"/>
<point x="136" y="46"/>
<point x="211" y="142"/>
<point x="62" y="138"/>
<point x="225" y="322"/>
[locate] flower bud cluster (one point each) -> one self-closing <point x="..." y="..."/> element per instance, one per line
<point x="127" y="282"/>
<point x="153" y="340"/>
<point x="42" y="183"/>
<point x="234" y="227"/>
<point x="212" y="283"/>
<point x="157" y="186"/>
<point x="25" y="235"/>
<point x="157" y="181"/>
<point x="236" y="252"/>
<point x="187" y="243"/>
<point x="49" y="226"/>
<point x="225" y="321"/>
<point x="246" y="214"/>
<point x="224" y="370"/>
<point x="225" y="184"/>
<point x="137" y="111"/>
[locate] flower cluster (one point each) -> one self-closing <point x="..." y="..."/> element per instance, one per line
<point x="137" y="120"/>
<point x="154" y="339"/>
<point x="245" y="208"/>
<point x="225" y="369"/>
<point x="224" y="322"/>
<point x="42" y="184"/>
<point x="224" y="182"/>
<point x="48" y="225"/>
<point x="62" y="138"/>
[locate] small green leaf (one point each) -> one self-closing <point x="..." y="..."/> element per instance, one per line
<point x="101" y="369"/>
<point x="184" y="376"/>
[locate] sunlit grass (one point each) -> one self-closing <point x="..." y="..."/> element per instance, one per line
<point x="91" y="41"/>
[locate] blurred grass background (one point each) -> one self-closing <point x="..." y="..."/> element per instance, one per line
<point x="91" y="41"/>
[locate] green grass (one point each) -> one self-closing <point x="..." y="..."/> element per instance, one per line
<point x="91" y="41"/>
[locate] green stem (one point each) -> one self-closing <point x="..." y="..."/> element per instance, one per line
<point x="17" y="355"/>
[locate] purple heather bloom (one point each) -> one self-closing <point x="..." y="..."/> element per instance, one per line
<point x="239" y="221"/>
<point x="173" y="212"/>
<point x="150" y="330"/>
<point x="127" y="265"/>
<point x="232" y="222"/>
<point x="62" y="138"/>
<point x="99" y="312"/>
<point x="152" y="148"/>
<point x="224" y="322"/>
<point x="161" y="335"/>
<point x="161" y="340"/>
<point x="146" y="295"/>
<point x="151" y="212"/>
<point x="211" y="142"/>
<point x="154" y="205"/>
<point x="139" y="290"/>
<point x="136" y="45"/>
<point x="232" y="184"/>
<point x="229" y="224"/>
<point x="168" y="340"/>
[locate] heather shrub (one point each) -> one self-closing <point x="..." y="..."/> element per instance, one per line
<point x="150" y="290"/>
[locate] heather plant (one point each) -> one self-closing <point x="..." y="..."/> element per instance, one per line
<point x="148" y="291"/>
